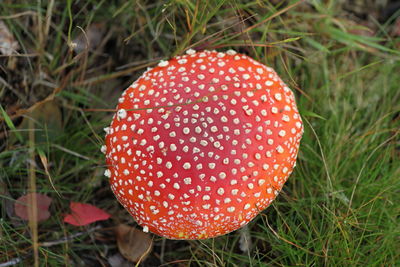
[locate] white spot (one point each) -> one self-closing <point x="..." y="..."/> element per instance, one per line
<point x="231" y="209"/>
<point x="285" y="118"/>
<point x="190" y="51"/>
<point x="182" y="61"/>
<point x="269" y="83"/>
<point x="186" y="130"/>
<point x="163" y="63"/>
<point x="172" y="147"/>
<point x="220" y="191"/>
<point x="176" y="186"/>
<point x="206" y="197"/>
<point x="221" y="63"/>
<point x="121" y="113"/>
<point x="217" y="144"/>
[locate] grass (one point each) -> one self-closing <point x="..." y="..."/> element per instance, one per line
<point x="340" y="206"/>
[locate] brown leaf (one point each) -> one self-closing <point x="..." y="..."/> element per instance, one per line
<point x="47" y="119"/>
<point x="8" y="44"/>
<point x="23" y="204"/>
<point x="90" y="38"/>
<point x="133" y="244"/>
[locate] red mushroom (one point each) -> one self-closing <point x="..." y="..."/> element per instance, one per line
<point x="202" y="143"/>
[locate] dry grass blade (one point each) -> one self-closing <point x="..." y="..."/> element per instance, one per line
<point x="291" y="243"/>
<point x="32" y="209"/>
<point x="45" y="164"/>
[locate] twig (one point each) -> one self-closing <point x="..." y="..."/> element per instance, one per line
<point x="71" y="152"/>
<point x="68" y="238"/>
<point x="33" y="208"/>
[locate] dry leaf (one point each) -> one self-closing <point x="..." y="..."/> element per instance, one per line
<point x="23" y="203"/>
<point x="90" y="38"/>
<point x="84" y="214"/>
<point x="8" y="44"/>
<point x="47" y="119"/>
<point x="133" y="244"/>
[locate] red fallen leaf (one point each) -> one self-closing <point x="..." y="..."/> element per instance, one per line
<point x="84" y="214"/>
<point x="23" y="204"/>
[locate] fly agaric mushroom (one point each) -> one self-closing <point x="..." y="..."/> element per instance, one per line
<point x="202" y="143"/>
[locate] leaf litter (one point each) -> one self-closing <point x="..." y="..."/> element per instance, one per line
<point x="84" y="214"/>
<point x="23" y="204"/>
<point x="133" y="244"/>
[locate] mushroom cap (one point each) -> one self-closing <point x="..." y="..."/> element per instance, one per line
<point x="202" y="143"/>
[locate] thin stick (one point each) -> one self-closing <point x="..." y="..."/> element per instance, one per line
<point x="68" y="238"/>
<point x="32" y="210"/>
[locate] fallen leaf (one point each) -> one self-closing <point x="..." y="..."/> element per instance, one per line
<point x="89" y="38"/>
<point x="47" y="120"/>
<point x="133" y="244"/>
<point x="23" y="203"/>
<point x="8" y="44"/>
<point x="84" y="214"/>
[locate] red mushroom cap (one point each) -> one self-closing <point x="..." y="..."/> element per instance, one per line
<point x="202" y="143"/>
